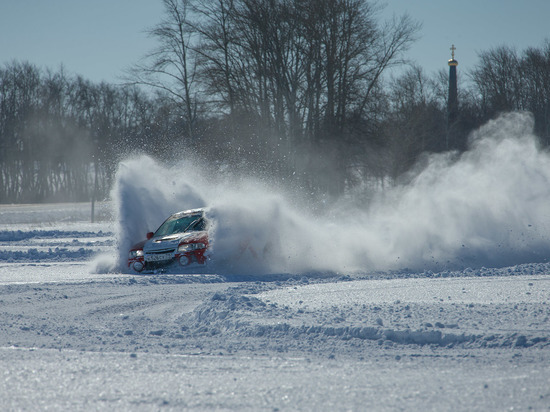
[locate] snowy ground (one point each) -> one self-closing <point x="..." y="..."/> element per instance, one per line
<point x="72" y="339"/>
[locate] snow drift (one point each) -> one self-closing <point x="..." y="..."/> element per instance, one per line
<point x="487" y="207"/>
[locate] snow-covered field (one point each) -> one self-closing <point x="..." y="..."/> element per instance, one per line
<point x="436" y="298"/>
<point x="72" y="339"/>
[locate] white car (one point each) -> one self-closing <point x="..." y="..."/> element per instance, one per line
<point x="181" y="240"/>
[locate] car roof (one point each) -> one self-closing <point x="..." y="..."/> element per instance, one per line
<point x="189" y="212"/>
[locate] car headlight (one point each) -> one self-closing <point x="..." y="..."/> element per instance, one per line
<point x="189" y="247"/>
<point x="135" y="253"/>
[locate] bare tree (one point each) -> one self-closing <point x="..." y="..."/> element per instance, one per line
<point x="497" y="77"/>
<point x="304" y="68"/>
<point x="171" y="66"/>
<point x="507" y="80"/>
<point x="536" y="87"/>
<point x="58" y="131"/>
<point x="415" y="122"/>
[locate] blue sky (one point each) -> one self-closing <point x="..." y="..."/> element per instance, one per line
<point x="472" y="26"/>
<point x="98" y="39"/>
<point x="95" y="38"/>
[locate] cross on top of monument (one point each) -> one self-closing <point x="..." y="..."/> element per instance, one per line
<point x="453" y="48"/>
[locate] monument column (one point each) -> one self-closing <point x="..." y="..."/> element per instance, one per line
<point x="452" y="103"/>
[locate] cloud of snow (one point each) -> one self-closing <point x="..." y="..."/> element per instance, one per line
<point x="144" y="195"/>
<point x="488" y="207"/>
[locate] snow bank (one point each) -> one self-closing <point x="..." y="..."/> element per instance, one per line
<point x="445" y="324"/>
<point x="42" y="215"/>
<point x="487" y="207"/>
<point x="52" y="245"/>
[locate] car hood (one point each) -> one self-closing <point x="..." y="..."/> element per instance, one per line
<point x="139" y="245"/>
<point x="171" y="242"/>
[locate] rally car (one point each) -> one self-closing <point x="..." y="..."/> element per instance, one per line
<point x="181" y="240"/>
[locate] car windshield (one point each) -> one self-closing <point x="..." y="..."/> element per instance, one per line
<point x="181" y="224"/>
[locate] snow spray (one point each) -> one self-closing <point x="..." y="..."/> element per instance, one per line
<point x="489" y="206"/>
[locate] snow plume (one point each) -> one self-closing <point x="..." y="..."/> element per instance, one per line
<point x="145" y="194"/>
<point x="488" y="207"/>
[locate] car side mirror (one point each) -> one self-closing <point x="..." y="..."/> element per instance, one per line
<point x="150" y="235"/>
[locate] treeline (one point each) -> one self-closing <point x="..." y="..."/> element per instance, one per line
<point x="506" y="80"/>
<point x="61" y="136"/>
<point x="296" y="91"/>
